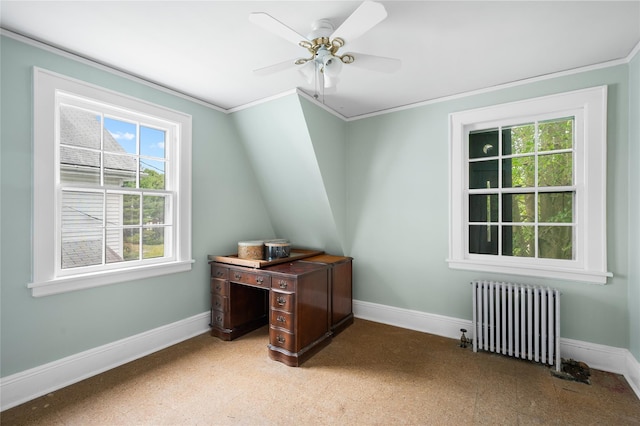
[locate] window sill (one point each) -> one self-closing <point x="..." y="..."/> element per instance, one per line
<point x="594" y="277"/>
<point x="80" y="282"/>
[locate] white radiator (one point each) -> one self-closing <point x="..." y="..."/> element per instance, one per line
<point x="521" y="321"/>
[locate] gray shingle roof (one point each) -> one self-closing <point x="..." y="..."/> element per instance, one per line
<point x="86" y="253"/>
<point x="80" y="128"/>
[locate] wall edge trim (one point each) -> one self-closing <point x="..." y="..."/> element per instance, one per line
<point x="26" y="385"/>
<point x="77" y="57"/>
<point x="601" y="357"/>
<point x="30" y="384"/>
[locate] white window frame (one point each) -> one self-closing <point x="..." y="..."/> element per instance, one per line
<point x="589" y="107"/>
<point x="47" y="277"/>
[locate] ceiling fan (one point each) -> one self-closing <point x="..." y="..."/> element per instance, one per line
<point x="323" y="43"/>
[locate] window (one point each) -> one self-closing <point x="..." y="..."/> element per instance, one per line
<point x="112" y="187"/>
<point x="528" y="183"/>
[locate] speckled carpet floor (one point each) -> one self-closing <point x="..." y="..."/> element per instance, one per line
<point x="371" y="374"/>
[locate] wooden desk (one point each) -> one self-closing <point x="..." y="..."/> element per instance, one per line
<point x="340" y="277"/>
<point x="295" y="298"/>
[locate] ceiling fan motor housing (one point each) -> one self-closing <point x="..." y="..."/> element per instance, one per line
<point x="322" y="44"/>
<point x="321" y="28"/>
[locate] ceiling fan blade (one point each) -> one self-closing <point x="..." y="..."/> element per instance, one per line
<point x="375" y="63"/>
<point x="271" y="24"/>
<point x="365" y="17"/>
<point x="271" y="69"/>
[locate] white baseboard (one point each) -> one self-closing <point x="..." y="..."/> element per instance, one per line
<point x="27" y="385"/>
<point x="632" y="373"/>
<point x="439" y="325"/>
<point x="600" y="357"/>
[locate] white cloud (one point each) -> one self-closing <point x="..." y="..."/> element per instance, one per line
<point x="161" y="145"/>
<point x="123" y="135"/>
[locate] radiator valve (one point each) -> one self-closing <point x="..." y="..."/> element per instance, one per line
<point x="464" y="341"/>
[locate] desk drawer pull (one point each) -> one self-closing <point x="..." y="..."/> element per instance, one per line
<point x="280" y="318"/>
<point x="219" y="273"/>
<point x="282" y="284"/>
<point x="218" y="286"/>
<point x="259" y="279"/>
<point x="281" y="300"/>
<point x="237" y="276"/>
<point x="280" y="339"/>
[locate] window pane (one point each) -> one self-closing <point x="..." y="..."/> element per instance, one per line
<point x="153" y="243"/>
<point x="79" y="127"/>
<point x="153" y="210"/>
<point x="518" y="207"/>
<point x="120" y="170"/>
<point x="555" y="242"/>
<point x="152" y="174"/>
<point x="152" y="142"/>
<point x="79" y="165"/>
<point x="556" y="134"/>
<point x="483" y="174"/>
<point x="82" y="209"/>
<point x="483" y="144"/>
<point x="115" y="245"/>
<point x="123" y="209"/>
<point x="518" y="241"/>
<point x="518" y="172"/>
<point x="130" y="243"/>
<point x="120" y="136"/>
<point x="131" y="209"/>
<point x="555" y="170"/>
<point x="483" y="208"/>
<point x="555" y="207"/>
<point x="81" y="247"/>
<point x="483" y="239"/>
<point x="518" y="139"/>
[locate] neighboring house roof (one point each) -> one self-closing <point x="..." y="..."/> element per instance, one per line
<point x="86" y="253"/>
<point x="80" y="128"/>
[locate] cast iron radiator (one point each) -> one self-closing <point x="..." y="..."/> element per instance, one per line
<point x="517" y="320"/>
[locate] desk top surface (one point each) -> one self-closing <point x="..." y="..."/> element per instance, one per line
<point x="298" y="267"/>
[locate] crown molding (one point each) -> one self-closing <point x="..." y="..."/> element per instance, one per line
<point x="106" y="67"/>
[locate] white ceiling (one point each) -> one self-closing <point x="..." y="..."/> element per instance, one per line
<point x="208" y="49"/>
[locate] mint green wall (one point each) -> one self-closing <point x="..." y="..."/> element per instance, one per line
<point x="397" y="212"/>
<point x="375" y="189"/>
<point x="278" y="141"/>
<point x="328" y="136"/>
<point x="634" y="206"/>
<point x="226" y="206"/>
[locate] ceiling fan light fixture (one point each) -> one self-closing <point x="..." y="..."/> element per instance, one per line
<point x="308" y="71"/>
<point x="331" y="65"/>
<point x="324" y="63"/>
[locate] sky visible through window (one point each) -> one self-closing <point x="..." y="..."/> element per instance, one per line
<point x="152" y="142"/>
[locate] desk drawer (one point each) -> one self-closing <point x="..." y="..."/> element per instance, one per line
<point x="219" y="319"/>
<point x="219" y="272"/>
<point x="282" y="283"/>
<point x="219" y="303"/>
<point x="282" y="339"/>
<point x="282" y="319"/>
<point x="220" y="287"/>
<point x="282" y="301"/>
<point x="250" y="278"/>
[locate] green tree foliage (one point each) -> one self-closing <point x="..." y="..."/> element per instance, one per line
<point x="151" y="179"/>
<point x="153" y="213"/>
<point x="555" y="169"/>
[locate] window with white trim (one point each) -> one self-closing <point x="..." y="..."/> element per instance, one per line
<point x="112" y="187"/>
<point x="528" y="187"/>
